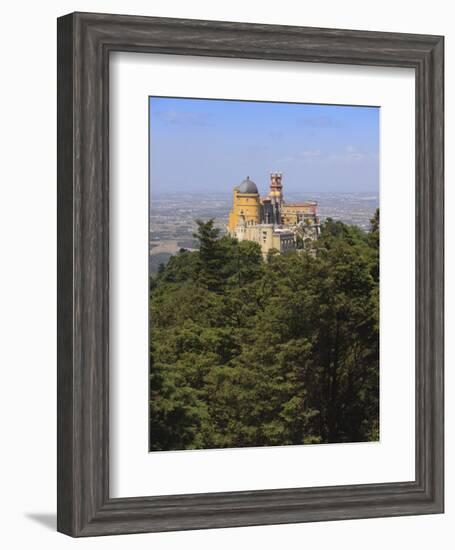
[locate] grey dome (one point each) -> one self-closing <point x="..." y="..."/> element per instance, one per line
<point x="247" y="186"/>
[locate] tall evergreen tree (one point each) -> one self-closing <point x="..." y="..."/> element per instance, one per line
<point x="211" y="257"/>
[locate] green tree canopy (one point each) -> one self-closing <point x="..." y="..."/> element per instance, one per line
<point x="251" y="352"/>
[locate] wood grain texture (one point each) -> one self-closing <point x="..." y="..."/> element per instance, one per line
<point x="84" y="43"/>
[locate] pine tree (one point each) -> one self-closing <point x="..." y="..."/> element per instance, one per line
<point x="210" y="255"/>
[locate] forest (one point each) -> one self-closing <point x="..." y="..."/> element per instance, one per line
<point x="249" y="352"/>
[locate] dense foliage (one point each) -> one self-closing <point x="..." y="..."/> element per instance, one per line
<point x="252" y="352"/>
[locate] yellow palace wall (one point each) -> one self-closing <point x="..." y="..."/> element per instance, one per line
<point x="247" y="204"/>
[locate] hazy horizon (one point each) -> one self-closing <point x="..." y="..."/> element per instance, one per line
<point x="209" y="146"/>
<point x="228" y="193"/>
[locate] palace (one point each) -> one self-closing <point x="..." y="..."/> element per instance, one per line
<point x="270" y="221"/>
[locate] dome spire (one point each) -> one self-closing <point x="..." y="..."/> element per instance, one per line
<point x="248" y="186"/>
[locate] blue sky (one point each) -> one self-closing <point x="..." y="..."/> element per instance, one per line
<point x="200" y="145"/>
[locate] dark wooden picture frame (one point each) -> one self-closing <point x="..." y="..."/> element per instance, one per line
<point x="84" y="44"/>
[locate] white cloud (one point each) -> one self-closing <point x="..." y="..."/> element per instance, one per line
<point x="307" y="155"/>
<point x="351" y="155"/>
<point x="181" y="117"/>
<point x="311" y="153"/>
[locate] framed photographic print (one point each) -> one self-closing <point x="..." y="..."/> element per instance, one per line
<point x="250" y="284"/>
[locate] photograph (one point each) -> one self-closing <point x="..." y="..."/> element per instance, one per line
<point x="263" y="273"/>
<point x="225" y="314"/>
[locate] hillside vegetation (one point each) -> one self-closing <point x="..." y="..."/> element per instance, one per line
<point x="252" y="352"/>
